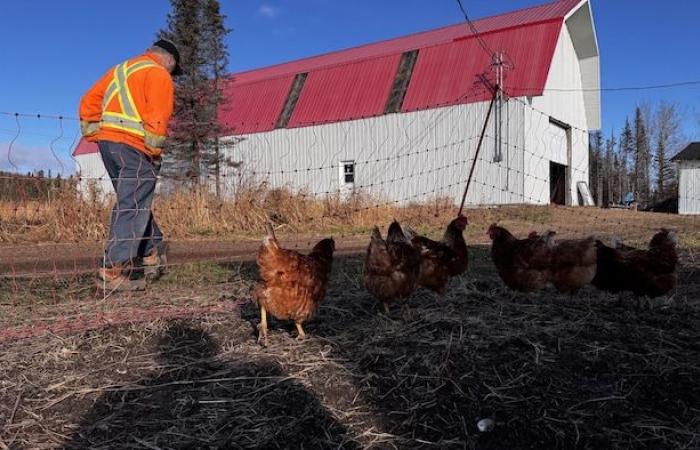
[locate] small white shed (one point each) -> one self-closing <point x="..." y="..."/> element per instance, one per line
<point x="688" y="162"/>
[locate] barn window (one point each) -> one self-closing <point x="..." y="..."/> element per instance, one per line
<point x="292" y="99"/>
<point x="403" y="76"/>
<point x="347" y="172"/>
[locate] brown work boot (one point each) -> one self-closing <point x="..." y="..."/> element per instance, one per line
<point x="154" y="264"/>
<point x="112" y="279"/>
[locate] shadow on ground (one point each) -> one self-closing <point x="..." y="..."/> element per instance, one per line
<point x="197" y="400"/>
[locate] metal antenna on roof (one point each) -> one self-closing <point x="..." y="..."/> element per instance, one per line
<point x="499" y="63"/>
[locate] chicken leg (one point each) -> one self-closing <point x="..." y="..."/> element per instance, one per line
<point x="406" y="312"/>
<point x="262" y="327"/>
<point x="386" y="308"/>
<point x="300" y="331"/>
<point x="620" y="303"/>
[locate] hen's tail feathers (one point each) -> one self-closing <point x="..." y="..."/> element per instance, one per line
<point x="376" y="234"/>
<point x="549" y="237"/>
<point x="616" y="242"/>
<point x="409" y="232"/>
<point x="593" y="239"/>
<point x="395" y="233"/>
<point x="673" y="237"/>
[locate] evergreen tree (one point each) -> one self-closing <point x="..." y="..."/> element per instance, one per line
<point x="594" y="150"/>
<point x="626" y="153"/>
<point x="196" y="27"/>
<point x="608" y="170"/>
<point x="617" y="180"/>
<point x="661" y="167"/>
<point x="642" y="159"/>
<point x="217" y="56"/>
<point x="668" y="142"/>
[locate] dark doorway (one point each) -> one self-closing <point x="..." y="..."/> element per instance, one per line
<point x="557" y="183"/>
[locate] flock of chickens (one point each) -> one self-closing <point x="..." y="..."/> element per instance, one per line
<point x="294" y="285"/>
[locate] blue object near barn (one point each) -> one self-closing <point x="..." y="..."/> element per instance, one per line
<point x="629" y="199"/>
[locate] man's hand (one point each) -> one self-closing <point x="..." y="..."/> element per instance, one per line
<point x="157" y="162"/>
<point x="89" y="129"/>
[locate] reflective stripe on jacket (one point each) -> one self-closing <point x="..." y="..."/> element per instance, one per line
<point x="132" y="104"/>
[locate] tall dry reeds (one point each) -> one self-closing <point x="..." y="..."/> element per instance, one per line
<point x="197" y="213"/>
<point x="66" y="216"/>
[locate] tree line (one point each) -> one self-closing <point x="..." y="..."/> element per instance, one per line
<point x="32" y="186"/>
<point x="637" y="160"/>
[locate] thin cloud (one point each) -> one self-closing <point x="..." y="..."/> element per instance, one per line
<point x="284" y="31"/>
<point x="269" y="11"/>
<point x="23" y="159"/>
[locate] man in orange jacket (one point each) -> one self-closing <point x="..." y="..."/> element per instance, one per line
<point x="127" y="113"/>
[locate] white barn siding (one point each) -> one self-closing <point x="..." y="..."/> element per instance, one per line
<point x="689" y="188"/>
<point x="590" y="75"/>
<point x="581" y="28"/>
<point x="399" y="157"/>
<point x="93" y="175"/>
<point x="563" y="100"/>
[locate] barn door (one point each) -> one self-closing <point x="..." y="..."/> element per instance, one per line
<point x="559" y="134"/>
<point x="557" y="183"/>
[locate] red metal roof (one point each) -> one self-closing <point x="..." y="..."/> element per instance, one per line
<point x="85" y="148"/>
<point x="355" y="83"/>
<point x="555" y="10"/>
<point x="350" y="91"/>
<point x="447" y="74"/>
<point x="255" y="106"/>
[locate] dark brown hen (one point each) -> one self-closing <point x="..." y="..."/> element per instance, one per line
<point x="574" y="263"/>
<point x="646" y="273"/>
<point x="443" y="259"/>
<point x="523" y="264"/>
<point x="391" y="266"/>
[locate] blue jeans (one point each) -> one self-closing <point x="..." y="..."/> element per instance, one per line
<point x="133" y="232"/>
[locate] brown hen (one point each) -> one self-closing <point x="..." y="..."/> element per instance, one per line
<point x="293" y="285"/>
<point x="574" y="262"/>
<point x="444" y="259"/>
<point x="391" y="266"/>
<point x="646" y="273"/>
<point x="523" y="264"/>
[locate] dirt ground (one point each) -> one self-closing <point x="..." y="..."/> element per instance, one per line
<point x="179" y="367"/>
<point x="66" y="259"/>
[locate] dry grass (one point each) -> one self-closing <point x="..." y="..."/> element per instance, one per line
<point x="196" y="215"/>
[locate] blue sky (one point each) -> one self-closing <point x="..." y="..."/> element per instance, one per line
<point x="52" y="53"/>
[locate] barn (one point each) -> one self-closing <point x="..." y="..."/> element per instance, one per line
<point x="688" y="161"/>
<point x="93" y="179"/>
<point x="401" y="119"/>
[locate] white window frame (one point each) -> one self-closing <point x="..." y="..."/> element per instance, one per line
<point x="349" y="185"/>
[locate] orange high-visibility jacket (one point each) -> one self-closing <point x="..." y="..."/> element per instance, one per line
<point x="132" y="104"/>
